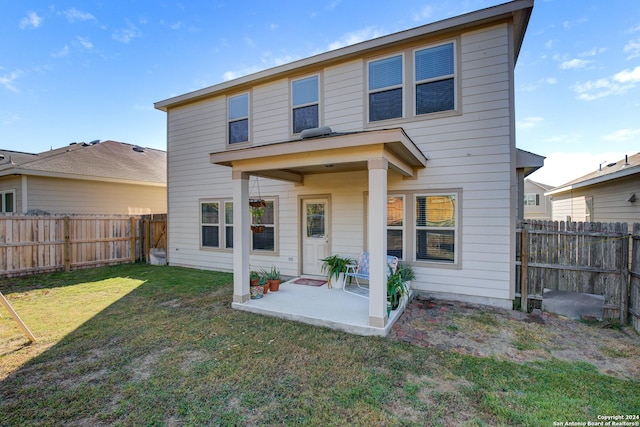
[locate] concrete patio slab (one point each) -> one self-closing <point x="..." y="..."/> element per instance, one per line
<point x="319" y="306"/>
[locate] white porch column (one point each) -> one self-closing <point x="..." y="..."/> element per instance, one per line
<point x="241" y="234"/>
<point x="377" y="238"/>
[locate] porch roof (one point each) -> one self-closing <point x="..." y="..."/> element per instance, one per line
<point x="335" y="152"/>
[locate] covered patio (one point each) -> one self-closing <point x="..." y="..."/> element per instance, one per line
<point x="319" y="306"/>
<point x="377" y="152"/>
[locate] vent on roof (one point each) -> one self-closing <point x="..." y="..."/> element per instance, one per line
<point x="138" y="149"/>
<point x="611" y="164"/>
<point x="95" y="141"/>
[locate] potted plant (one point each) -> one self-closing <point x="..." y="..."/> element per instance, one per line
<point x="257" y="290"/>
<point x="256" y="214"/>
<point x="273" y="278"/>
<point x="396" y="289"/>
<point x="406" y="272"/>
<point x="335" y="266"/>
<point x="254" y="278"/>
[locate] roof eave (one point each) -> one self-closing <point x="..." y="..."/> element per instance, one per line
<point x="16" y="171"/>
<point x="593" y="181"/>
<point x="518" y="10"/>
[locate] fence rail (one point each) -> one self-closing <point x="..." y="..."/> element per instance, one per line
<point x="594" y="258"/>
<point x="40" y="244"/>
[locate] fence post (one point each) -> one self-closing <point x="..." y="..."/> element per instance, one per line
<point x="67" y="244"/>
<point x="147" y="239"/>
<point x="624" y="279"/>
<point x="524" y="264"/>
<point x="133" y="240"/>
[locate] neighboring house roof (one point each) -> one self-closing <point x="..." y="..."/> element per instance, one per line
<point x="105" y="161"/>
<point x="519" y="11"/>
<point x="630" y="165"/>
<point x="545" y="187"/>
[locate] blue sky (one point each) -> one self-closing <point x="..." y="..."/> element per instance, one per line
<point x="85" y="70"/>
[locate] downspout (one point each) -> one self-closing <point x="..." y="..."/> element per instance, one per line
<point x="23" y="195"/>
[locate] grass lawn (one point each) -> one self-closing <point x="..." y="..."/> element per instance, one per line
<point x="149" y="345"/>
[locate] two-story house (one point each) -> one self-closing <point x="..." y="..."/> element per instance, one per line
<point x="404" y="144"/>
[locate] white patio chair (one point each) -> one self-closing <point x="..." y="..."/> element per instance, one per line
<point x="360" y="271"/>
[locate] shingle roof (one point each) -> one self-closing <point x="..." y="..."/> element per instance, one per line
<point x="110" y="160"/>
<point x="628" y="166"/>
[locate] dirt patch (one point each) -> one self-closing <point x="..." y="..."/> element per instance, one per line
<point x="484" y="331"/>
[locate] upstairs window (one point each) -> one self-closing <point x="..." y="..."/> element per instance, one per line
<point x="7" y="201"/>
<point x="434" y="74"/>
<point x="532" y="199"/>
<point x="385" y="88"/>
<point x="305" y="101"/>
<point x="238" y="111"/>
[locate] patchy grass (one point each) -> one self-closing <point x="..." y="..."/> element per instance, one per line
<point x="151" y="345"/>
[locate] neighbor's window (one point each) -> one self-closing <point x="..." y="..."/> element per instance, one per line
<point x="238" y="111"/>
<point x="588" y="206"/>
<point x="395" y="226"/>
<point x="436" y="227"/>
<point x="265" y="241"/>
<point x="385" y="88"/>
<point x="305" y="103"/>
<point x="532" y="199"/>
<point x="7" y="201"/>
<point x="434" y="74"/>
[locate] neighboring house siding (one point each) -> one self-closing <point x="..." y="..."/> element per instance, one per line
<point x="610" y="202"/>
<point x="541" y="211"/>
<point x="472" y="153"/>
<point x="56" y="195"/>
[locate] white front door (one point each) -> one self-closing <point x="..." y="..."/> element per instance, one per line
<point x="315" y="235"/>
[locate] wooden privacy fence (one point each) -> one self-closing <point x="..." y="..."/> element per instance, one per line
<point x="39" y="244"/>
<point x="580" y="257"/>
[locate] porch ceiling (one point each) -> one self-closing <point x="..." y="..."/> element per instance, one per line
<point x="291" y="160"/>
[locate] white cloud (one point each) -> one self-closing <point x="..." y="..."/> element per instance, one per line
<point x="632" y="49"/>
<point x="593" y="52"/>
<point x="622" y="135"/>
<point x="230" y="75"/>
<point x="125" y="35"/>
<point x="74" y="15"/>
<point x="562" y="167"/>
<point x="84" y="41"/>
<point x="61" y="53"/>
<point x="32" y="20"/>
<point x="7" y="119"/>
<point x="618" y="84"/>
<point x="627" y="76"/>
<point x="7" y="80"/>
<point x="267" y="60"/>
<point x="356" y="37"/>
<point x="529" y="123"/>
<point x="570" y="24"/>
<point x="541" y="82"/>
<point x="424" y="14"/>
<point x="574" y="63"/>
<point x="176" y="26"/>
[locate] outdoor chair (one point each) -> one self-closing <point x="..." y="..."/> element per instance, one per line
<point x="360" y="271"/>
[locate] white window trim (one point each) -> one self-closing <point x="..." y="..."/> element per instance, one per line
<point x="228" y="121"/>
<point x="402" y="86"/>
<point x="222" y="243"/>
<point x="3" y="200"/>
<point x="292" y="106"/>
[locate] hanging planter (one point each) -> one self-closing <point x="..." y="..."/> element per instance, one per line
<point x="257" y="203"/>
<point x="257" y="228"/>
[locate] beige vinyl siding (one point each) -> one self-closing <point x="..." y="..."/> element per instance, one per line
<point x="343" y="99"/>
<point x="470" y="151"/>
<point x="71" y="196"/>
<point x="541" y="211"/>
